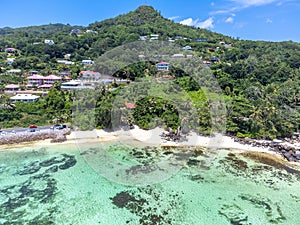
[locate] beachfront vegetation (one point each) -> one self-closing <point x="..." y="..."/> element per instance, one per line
<point x="260" y="81"/>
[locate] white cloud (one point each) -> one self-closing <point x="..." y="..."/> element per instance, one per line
<point x="248" y="3"/>
<point x="209" y="23"/>
<point x="229" y="20"/>
<point x="173" y="17"/>
<point x="238" y="5"/>
<point x="269" y="20"/>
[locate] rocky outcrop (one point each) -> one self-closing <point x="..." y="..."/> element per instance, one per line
<point x="55" y="135"/>
<point x="289" y="148"/>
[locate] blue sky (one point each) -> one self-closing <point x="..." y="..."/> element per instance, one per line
<point x="271" y="20"/>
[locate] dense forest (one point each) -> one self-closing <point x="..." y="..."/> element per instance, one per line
<point x="259" y="80"/>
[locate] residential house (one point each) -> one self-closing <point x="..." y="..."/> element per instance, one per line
<point x="207" y="63"/>
<point x="130" y="105"/>
<point x="171" y="40"/>
<point x="14" y="72"/>
<point x="90" y="75"/>
<point x="67" y="56"/>
<point x="214" y="58"/>
<point x="74" y="85"/>
<point x="33" y="72"/>
<point x="202" y="40"/>
<point x="10" y="60"/>
<point x="75" y="31"/>
<point x="25" y="98"/>
<point x="64" y="73"/>
<point x="187" y="47"/>
<point x="51" y="79"/>
<point x="10" y="50"/>
<point x="87" y="62"/>
<point x="143" y="38"/>
<point x="45" y="87"/>
<point x="228" y="45"/>
<point x="154" y="36"/>
<point x="49" y="42"/>
<point x="35" y="80"/>
<point x="162" y="66"/>
<point x="12" y="87"/>
<point x="66" y="62"/>
<point x="91" y="31"/>
<point x="178" y="56"/>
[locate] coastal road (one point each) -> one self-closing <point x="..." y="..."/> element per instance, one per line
<point x="23" y="130"/>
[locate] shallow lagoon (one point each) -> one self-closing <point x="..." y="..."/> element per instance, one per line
<point x="56" y="185"/>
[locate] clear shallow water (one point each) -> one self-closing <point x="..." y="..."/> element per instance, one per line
<point x="55" y="185"/>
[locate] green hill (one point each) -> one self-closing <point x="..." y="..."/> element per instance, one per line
<point x="259" y="79"/>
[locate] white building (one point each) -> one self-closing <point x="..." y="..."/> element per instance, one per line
<point x="66" y="62"/>
<point x="154" y="36"/>
<point x="10" y="60"/>
<point x="25" y="98"/>
<point x="74" y="85"/>
<point x="49" y="42"/>
<point x="187" y="47"/>
<point x="87" y="62"/>
<point x="162" y="66"/>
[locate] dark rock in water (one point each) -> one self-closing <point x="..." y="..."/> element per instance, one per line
<point x="183" y="155"/>
<point x="50" y="162"/>
<point x="168" y="153"/>
<point x="70" y="162"/>
<point x="30" y="169"/>
<point x="234" y="214"/>
<point x="122" y="199"/>
<point x="141" y="169"/>
<point x="52" y="169"/>
<point x="145" y="203"/>
<point x="271" y="210"/>
<point x="197" y="177"/>
<point x="193" y="162"/>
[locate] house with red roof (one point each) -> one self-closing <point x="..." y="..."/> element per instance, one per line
<point x="89" y="74"/>
<point x="129" y="105"/>
<point x="10" y="50"/>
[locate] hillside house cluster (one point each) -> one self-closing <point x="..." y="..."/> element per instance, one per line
<point x="43" y="82"/>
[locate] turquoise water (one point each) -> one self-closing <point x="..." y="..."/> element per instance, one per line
<point x="61" y="184"/>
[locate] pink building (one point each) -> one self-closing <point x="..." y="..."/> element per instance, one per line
<point x="12" y="87"/>
<point x="35" y="80"/>
<point x="51" y="79"/>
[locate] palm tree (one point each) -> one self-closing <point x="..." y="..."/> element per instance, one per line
<point x="6" y="103"/>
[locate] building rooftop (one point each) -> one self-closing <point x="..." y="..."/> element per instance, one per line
<point x="25" y="97"/>
<point x="12" y="86"/>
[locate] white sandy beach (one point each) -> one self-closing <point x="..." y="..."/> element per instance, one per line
<point x="154" y="137"/>
<point x="151" y="137"/>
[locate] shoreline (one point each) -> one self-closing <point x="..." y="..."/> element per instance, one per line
<point x="154" y="137"/>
